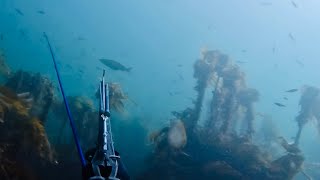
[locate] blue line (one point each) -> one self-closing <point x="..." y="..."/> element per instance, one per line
<point x="74" y="131"/>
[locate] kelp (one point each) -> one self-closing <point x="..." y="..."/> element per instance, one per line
<point x="117" y="97"/>
<point x="216" y="150"/>
<point x="24" y="146"/>
<point x="41" y="90"/>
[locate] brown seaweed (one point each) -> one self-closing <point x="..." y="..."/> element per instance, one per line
<point x="215" y="150"/>
<point x="41" y="90"/>
<point x="24" y="146"/>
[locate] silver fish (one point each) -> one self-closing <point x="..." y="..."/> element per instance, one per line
<point x="291" y="90"/>
<point x="279" y="104"/>
<point x="114" y="65"/>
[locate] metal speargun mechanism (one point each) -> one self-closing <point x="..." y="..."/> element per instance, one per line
<point x="104" y="156"/>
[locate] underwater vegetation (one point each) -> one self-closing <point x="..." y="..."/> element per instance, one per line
<point x="40" y="88"/>
<point x="85" y="114"/>
<point x="221" y="146"/>
<point x="27" y="102"/>
<point x="217" y="149"/>
<point x="24" y="146"/>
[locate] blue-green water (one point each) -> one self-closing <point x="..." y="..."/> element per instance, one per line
<point x="154" y="37"/>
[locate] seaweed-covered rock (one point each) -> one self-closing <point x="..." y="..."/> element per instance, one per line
<point x="117" y="97"/>
<point x="84" y="115"/>
<point x="24" y="146"/>
<point x="286" y="167"/>
<point x="217" y="150"/>
<point x="40" y="88"/>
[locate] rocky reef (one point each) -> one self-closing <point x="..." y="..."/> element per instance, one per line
<point x="25" y="98"/>
<point x="24" y="146"/>
<point x="41" y="90"/>
<point x="220" y="145"/>
<point x="218" y="148"/>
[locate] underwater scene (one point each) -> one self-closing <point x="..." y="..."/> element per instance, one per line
<point x="205" y="89"/>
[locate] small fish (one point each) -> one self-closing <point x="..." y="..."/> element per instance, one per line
<point x="265" y="3"/>
<point x="300" y="63"/>
<point x="23" y="33"/>
<point x="291" y="37"/>
<point x="291" y="90"/>
<point x="68" y="66"/>
<point x="19" y="11"/>
<point x="261" y="114"/>
<point x="41" y="12"/>
<point x="1" y="36"/>
<point x="179" y="65"/>
<point x="244" y="50"/>
<point x="181" y="77"/>
<point x="174" y="93"/>
<point x="285" y="98"/>
<point x="241" y="62"/>
<point x="28" y="100"/>
<point x="184" y="153"/>
<point x="273" y="50"/>
<point x="81" y="38"/>
<point x="294" y="4"/>
<point x="114" y="65"/>
<point x="279" y="104"/>
<point x="23" y="95"/>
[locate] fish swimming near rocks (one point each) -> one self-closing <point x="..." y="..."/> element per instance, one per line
<point x="291" y="90"/>
<point x="279" y="104"/>
<point x="114" y="65"/>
